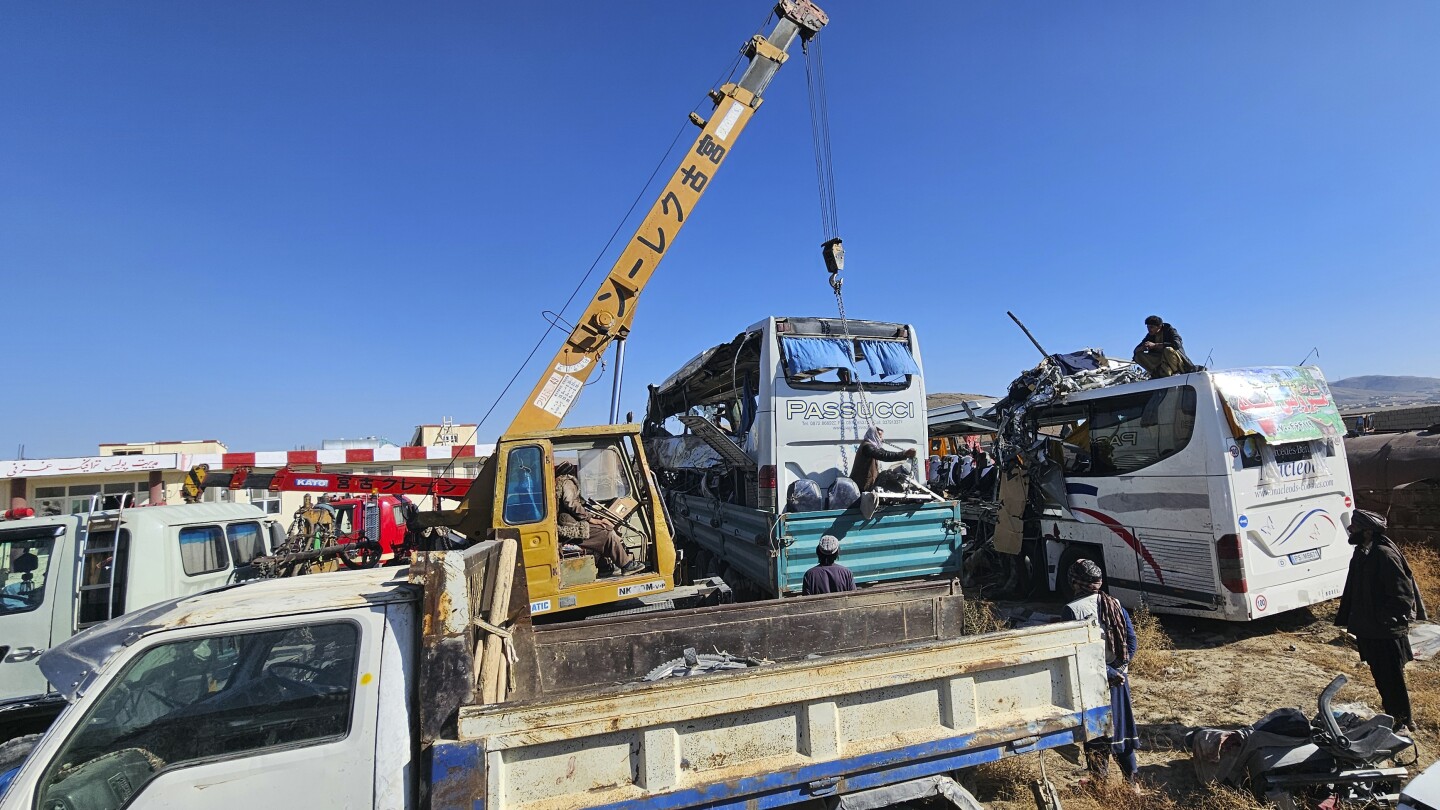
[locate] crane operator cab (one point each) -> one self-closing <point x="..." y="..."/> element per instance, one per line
<point x="583" y="503"/>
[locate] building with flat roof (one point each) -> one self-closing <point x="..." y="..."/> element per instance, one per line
<point x="152" y="473"/>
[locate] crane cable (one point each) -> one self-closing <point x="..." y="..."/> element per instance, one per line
<point x="816" y="91"/>
<point x="820" y="135"/>
<point x="726" y="75"/>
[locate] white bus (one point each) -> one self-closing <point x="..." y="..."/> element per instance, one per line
<point x="1222" y="494"/>
<point x="754" y="440"/>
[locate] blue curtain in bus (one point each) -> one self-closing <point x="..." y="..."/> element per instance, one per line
<point x="813" y="354"/>
<point x="888" y="358"/>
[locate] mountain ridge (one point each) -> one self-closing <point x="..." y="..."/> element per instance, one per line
<point x="1375" y="390"/>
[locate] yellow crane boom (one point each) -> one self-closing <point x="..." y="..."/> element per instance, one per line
<point x="612" y="310"/>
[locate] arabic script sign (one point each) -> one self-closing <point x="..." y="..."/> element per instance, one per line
<point x="1281" y="403"/>
<point x="92" y="465"/>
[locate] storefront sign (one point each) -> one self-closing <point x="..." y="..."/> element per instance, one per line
<point x="91" y="465"/>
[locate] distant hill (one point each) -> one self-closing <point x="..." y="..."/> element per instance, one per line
<point x="1378" y="390"/>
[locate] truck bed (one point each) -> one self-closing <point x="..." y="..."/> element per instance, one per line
<point x="781" y="733"/>
<point x="605" y="651"/>
<point x="899" y="542"/>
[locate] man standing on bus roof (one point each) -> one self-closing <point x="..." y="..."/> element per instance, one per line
<point x="1161" y="352"/>
<point x="1379" y="601"/>
<point x="829" y="576"/>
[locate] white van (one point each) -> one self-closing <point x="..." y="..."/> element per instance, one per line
<point x="1222" y="494"/>
<point x="751" y="435"/>
<point x="61" y="574"/>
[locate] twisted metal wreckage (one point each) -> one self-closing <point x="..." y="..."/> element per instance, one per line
<point x="1029" y="464"/>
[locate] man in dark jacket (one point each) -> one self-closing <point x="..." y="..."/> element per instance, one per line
<point x="829" y="576"/>
<point x="575" y="523"/>
<point x="1379" y="601"/>
<point x="869" y="455"/>
<point x="1162" y="352"/>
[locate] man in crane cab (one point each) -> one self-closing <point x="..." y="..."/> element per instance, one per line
<point x="576" y="524"/>
<point x="1162" y="352"/>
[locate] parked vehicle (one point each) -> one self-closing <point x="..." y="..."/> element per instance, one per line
<point x="768" y="426"/>
<point x="369" y="677"/>
<point x="359" y="520"/>
<point x="1398" y="475"/>
<point x="64" y="573"/>
<point x="1219" y="493"/>
<point x="1423" y="792"/>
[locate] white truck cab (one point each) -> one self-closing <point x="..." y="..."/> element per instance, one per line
<point x="63" y="573"/>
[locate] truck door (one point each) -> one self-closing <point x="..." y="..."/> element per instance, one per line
<point x="228" y="716"/>
<point x="32" y="583"/>
<point x="615" y="490"/>
<point x="525" y="500"/>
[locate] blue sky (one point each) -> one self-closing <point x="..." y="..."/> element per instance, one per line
<point x="276" y="222"/>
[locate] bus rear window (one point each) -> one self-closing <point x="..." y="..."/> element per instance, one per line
<point x="833" y="362"/>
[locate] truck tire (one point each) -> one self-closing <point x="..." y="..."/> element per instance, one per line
<point x="1069" y="557"/>
<point x="1027" y="574"/>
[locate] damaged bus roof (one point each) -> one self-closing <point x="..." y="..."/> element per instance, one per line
<point x="709" y="373"/>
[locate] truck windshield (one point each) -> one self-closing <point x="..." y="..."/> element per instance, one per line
<point x="25" y="566"/>
<point x="205" y="698"/>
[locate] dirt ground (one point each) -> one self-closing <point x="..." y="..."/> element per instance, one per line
<point x="1207" y="673"/>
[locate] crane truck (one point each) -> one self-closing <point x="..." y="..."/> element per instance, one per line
<point x="516" y="485"/>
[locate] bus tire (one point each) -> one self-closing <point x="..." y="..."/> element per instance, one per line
<point x="1069" y="557"/>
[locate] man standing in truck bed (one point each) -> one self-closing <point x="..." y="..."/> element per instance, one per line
<point x="1162" y="352"/>
<point x="829" y="576"/>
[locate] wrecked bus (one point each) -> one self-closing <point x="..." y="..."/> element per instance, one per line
<point x="1222" y="494"/>
<point x="754" y="439"/>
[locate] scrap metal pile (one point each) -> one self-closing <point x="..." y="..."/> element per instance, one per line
<point x="1016" y="437"/>
<point x="1027" y="462"/>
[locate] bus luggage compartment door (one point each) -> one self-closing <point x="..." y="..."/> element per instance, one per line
<point x="1178" y="569"/>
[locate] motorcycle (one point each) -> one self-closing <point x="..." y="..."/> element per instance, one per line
<point x="1318" y="763"/>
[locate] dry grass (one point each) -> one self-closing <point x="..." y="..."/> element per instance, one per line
<point x="1154" y="652"/>
<point x="1424" y="562"/>
<point x="981" y="617"/>
<point x="1115" y="793"/>
<point x="1008" y="783"/>
<point x="1005" y="780"/>
<point x="1423" y="682"/>
<point x="1423" y="679"/>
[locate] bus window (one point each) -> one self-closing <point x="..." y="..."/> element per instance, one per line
<point x="1129" y="433"/>
<point x="1071" y="425"/>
